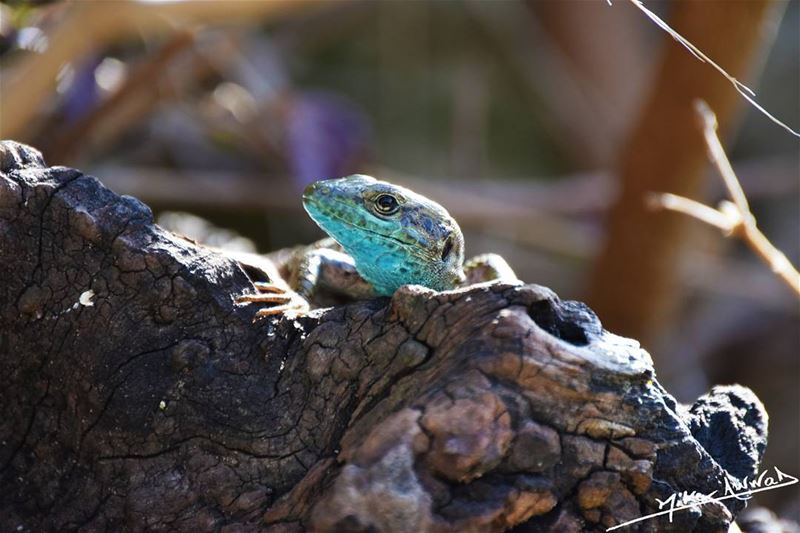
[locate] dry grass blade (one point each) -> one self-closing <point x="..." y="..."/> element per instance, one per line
<point x="740" y="87"/>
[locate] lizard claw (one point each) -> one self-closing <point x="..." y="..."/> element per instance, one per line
<point x="265" y="298"/>
<point x="287" y="310"/>
<point x="290" y="304"/>
<point x="263" y="286"/>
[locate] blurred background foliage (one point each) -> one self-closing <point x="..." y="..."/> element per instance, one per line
<point x="534" y="122"/>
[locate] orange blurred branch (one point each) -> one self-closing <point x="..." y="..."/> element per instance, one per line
<point x="92" y="25"/>
<point x="635" y="283"/>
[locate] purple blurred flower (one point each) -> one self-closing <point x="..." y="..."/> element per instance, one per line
<point x="326" y="135"/>
<point x="82" y="95"/>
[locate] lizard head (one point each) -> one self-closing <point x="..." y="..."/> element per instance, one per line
<point x="394" y="235"/>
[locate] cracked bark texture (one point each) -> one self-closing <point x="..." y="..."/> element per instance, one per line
<point x="152" y="402"/>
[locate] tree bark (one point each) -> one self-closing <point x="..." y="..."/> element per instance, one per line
<point x="137" y="395"/>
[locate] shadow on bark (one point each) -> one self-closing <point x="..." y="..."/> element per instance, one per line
<point x="136" y="394"/>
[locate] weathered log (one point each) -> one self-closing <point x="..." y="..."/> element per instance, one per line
<point x="136" y="394"/>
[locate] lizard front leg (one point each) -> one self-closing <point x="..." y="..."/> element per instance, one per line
<point x="488" y="267"/>
<point x="278" y="297"/>
<point x="325" y="269"/>
<point x="312" y="271"/>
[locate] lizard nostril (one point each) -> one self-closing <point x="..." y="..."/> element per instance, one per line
<point x="317" y="189"/>
<point x="310" y="190"/>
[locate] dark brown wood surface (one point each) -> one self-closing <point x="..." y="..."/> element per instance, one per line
<point x="154" y="403"/>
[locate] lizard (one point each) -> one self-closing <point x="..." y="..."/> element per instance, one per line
<point x="381" y="236"/>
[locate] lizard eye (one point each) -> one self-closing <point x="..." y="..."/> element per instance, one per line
<point x="448" y="247"/>
<point x="386" y="204"/>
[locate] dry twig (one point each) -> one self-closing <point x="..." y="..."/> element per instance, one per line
<point x="733" y="216"/>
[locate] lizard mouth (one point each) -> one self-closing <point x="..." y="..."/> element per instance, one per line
<point x="311" y="200"/>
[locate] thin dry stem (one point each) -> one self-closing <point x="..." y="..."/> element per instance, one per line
<point x="733" y="218"/>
